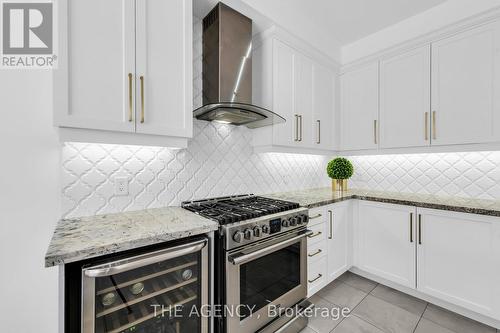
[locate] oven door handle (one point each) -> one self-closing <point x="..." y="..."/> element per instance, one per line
<point x="238" y="260"/>
<point x="144" y="260"/>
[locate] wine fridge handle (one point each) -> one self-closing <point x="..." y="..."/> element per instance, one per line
<point x="128" y="264"/>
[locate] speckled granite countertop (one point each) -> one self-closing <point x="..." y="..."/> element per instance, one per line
<point x="324" y="196"/>
<point x="76" y="239"/>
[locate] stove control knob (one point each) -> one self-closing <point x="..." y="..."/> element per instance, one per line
<point x="293" y="221"/>
<point x="257" y="231"/>
<point x="305" y="218"/>
<point x="248" y="234"/>
<point x="238" y="236"/>
<point x="265" y="229"/>
<point x="285" y="223"/>
<point x="300" y="219"/>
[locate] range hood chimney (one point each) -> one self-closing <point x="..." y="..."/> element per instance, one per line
<point x="227" y="71"/>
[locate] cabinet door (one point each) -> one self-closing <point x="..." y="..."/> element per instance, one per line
<point x="386" y="243"/>
<point x="338" y="217"/>
<point x="359" y="108"/>
<point x="164" y="67"/>
<point x="458" y="259"/>
<point x="304" y="99"/>
<point x="323" y="106"/>
<point x="95" y="82"/>
<point x="284" y="76"/>
<point x="465" y="87"/>
<point x="405" y="101"/>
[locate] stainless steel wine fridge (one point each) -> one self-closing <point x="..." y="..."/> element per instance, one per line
<point x="160" y="291"/>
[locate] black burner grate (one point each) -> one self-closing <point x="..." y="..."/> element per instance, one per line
<point x="233" y="209"/>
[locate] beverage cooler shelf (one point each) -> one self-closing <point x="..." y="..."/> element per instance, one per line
<point x="144" y="278"/>
<point x="146" y="297"/>
<point x="141" y="313"/>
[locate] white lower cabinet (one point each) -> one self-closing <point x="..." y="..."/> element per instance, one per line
<point x="337" y="239"/>
<point x="386" y="246"/>
<point x="458" y="259"/>
<point x="328" y="245"/>
<point x="450" y="256"/>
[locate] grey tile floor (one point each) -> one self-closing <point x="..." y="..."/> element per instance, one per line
<point x="376" y="308"/>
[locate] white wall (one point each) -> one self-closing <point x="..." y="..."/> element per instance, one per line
<point x="29" y="202"/>
<point x="426" y="22"/>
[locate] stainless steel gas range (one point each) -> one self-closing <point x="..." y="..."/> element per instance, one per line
<point x="260" y="263"/>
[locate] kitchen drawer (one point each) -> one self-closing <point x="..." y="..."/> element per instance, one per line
<point x="316" y="216"/>
<point x="316" y="276"/>
<point x="318" y="234"/>
<point x="316" y="251"/>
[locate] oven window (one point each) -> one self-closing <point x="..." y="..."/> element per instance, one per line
<point x="265" y="279"/>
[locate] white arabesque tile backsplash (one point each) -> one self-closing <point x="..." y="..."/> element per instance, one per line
<point x="468" y="174"/>
<point x="219" y="161"/>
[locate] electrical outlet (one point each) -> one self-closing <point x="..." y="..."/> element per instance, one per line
<point x="121" y="185"/>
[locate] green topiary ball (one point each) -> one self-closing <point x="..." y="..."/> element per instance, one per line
<point x="340" y="168"/>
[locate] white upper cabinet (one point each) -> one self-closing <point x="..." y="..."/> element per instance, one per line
<point x="300" y="89"/>
<point x="92" y="86"/>
<point x="386" y="241"/>
<point x="466" y="87"/>
<point x="285" y="74"/>
<point x="458" y="259"/>
<point x="359" y="108"/>
<point x="405" y="99"/>
<point x="130" y="70"/>
<point x="164" y="53"/>
<point x="323" y="105"/>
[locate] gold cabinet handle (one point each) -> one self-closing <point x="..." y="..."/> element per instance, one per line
<point x="375" y="131"/>
<point x="411" y="227"/>
<point x="315" y="253"/>
<point x="319" y="131"/>
<point x="315" y="235"/>
<point x="142" y="99"/>
<point x="331" y="224"/>
<point x="300" y="137"/>
<point x="316" y="278"/>
<point x="130" y="97"/>
<point x="434" y="131"/>
<point x="426" y="134"/>
<point x="420" y="229"/>
<point x="315" y="217"/>
<point x="296" y="128"/>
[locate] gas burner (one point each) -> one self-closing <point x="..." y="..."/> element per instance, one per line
<point x="238" y="208"/>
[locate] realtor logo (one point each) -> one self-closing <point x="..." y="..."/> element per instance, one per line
<point x="27" y="34"/>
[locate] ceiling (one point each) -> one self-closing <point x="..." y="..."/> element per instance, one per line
<point x="345" y="20"/>
<point x="325" y="24"/>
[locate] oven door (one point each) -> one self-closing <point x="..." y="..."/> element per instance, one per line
<point x="263" y="278"/>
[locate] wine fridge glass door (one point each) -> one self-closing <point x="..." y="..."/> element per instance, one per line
<point x="144" y="295"/>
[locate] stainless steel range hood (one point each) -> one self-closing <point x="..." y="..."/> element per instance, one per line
<point x="227" y="71"/>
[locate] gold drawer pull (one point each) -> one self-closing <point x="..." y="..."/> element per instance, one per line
<point x="315" y="235"/>
<point x="316" y="278"/>
<point x="315" y="217"/>
<point x="315" y="253"/>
